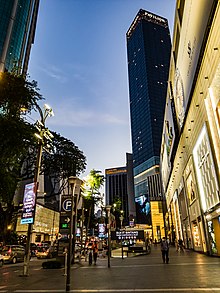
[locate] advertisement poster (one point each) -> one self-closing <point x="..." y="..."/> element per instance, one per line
<point x="143" y="209"/>
<point x="205" y="170"/>
<point x="29" y="203"/>
<point x="167" y="143"/>
<point x="194" y="23"/>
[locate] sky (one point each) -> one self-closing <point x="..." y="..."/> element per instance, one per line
<point x="79" y="59"/>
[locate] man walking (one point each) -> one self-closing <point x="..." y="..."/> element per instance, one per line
<point x="165" y="250"/>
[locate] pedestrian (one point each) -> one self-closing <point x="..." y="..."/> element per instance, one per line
<point x="165" y="250"/>
<point x="95" y="252"/>
<point x="90" y="256"/>
<point x="180" y="243"/>
<point x="176" y="245"/>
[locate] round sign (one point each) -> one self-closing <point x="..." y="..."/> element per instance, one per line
<point x="67" y="205"/>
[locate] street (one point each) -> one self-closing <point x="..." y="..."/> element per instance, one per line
<point x="187" y="272"/>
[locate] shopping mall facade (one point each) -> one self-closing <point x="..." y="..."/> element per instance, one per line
<point x="190" y="152"/>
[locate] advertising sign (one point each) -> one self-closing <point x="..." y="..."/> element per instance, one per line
<point x="194" y="23"/>
<point x="102" y="231"/>
<point x="205" y="171"/>
<point x="167" y="143"/>
<point x="29" y="203"/>
<point x="123" y="235"/>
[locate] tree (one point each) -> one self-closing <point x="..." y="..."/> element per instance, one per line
<point x="64" y="159"/>
<point x="18" y="146"/>
<point x="16" y="135"/>
<point x="91" y="191"/>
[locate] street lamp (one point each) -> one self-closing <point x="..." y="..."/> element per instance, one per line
<point x="108" y="209"/>
<point x="75" y="184"/>
<point x="43" y="135"/>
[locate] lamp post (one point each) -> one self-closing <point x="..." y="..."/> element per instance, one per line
<point x="75" y="184"/>
<point x="43" y="135"/>
<point x="121" y="219"/>
<point x="108" y="209"/>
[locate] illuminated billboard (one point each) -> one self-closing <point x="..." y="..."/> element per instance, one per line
<point x="29" y="203"/>
<point x="205" y="171"/>
<point x="143" y="211"/>
<point x="167" y="143"/>
<point x="194" y="24"/>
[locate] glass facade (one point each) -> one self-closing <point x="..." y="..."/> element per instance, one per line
<point x="148" y="49"/>
<point x="17" y="27"/>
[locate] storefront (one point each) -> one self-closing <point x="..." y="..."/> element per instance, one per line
<point x="45" y="227"/>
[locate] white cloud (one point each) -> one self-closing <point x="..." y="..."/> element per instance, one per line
<point x="54" y="72"/>
<point x="76" y="117"/>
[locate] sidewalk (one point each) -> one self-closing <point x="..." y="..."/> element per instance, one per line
<point x="186" y="272"/>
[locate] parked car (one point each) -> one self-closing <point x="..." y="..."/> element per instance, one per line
<point x="43" y="252"/>
<point x="13" y="253"/>
<point x="1" y="260"/>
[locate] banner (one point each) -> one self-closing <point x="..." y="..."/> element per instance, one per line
<point x="29" y="203"/>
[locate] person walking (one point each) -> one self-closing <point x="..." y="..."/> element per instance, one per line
<point x="95" y="252"/>
<point x="180" y="243"/>
<point x="90" y="256"/>
<point x="165" y="250"/>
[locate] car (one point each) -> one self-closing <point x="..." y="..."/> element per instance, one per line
<point x="1" y="260"/>
<point x="13" y="253"/>
<point x="43" y="252"/>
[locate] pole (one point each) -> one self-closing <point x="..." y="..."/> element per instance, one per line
<point x="70" y="240"/>
<point x="30" y="226"/>
<point x="121" y="219"/>
<point x="109" y="238"/>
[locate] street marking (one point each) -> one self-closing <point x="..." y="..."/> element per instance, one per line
<point x="123" y="290"/>
<point x="152" y="265"/>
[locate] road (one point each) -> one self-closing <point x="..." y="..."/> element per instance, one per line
<point x="186" y="272"/>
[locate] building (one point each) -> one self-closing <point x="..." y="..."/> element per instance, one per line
<point x="17" y="30"/>
<point x="45" y="228"/>
<point x="119" y="185"/>
<point x="148" y="50"/>
<point x="190" y="152"/>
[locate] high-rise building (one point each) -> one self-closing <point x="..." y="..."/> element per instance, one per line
<point x="148" y="49"/>
<point x="17" y="29"/>
<point x="119" y="186"/>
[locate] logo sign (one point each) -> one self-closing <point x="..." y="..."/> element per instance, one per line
<point x="29" y="203"/>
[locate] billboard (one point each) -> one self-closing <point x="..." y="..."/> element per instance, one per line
<point x="29" y="203"/>
<point x="194" y="24"/>
<point x="143" y="211"/>
<point x="127" y="235"/>
<point x="205" y="171"/>
<point x="167" y="143"/>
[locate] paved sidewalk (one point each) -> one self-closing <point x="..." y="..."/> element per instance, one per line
<point x="186" y="272"/>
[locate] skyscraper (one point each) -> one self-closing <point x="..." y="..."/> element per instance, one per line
<point x="17" y="29"/>
<point x="148" y="50"/>
<point x="119" y="186"/>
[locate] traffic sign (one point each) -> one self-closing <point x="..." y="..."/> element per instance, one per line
<point x="67" y="205"/>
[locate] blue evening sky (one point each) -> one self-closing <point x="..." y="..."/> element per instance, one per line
<point x="79" y="60"/>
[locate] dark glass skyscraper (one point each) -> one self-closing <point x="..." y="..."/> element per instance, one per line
<point x="148" y="49"/>
<point x="17" y="29"/>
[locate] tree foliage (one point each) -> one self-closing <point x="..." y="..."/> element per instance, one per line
<point x="18" y="145"/>
<point x="91" y="191"/>
<point x="64" y="159"/>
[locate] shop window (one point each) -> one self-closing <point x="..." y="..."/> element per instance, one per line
<point x="196" y="238"/>
<point x="38" y="238"/>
